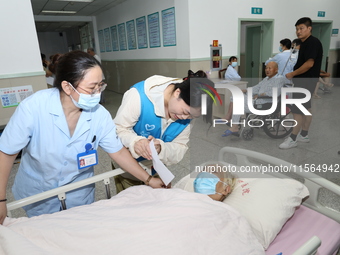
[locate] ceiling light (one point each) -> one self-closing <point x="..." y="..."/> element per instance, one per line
<point x="63" y="12"/>
<point x="86" y="1"/>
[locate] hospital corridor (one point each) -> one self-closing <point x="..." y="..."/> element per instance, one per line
<point x="170" y="127"/>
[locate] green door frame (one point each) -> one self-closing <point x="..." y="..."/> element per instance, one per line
<point x="323" y="31"/>
<point x="266" y="46"/>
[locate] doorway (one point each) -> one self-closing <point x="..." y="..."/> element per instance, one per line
<point x="256" y="42"/>
<point x="253" y="50"/>
<point x="323" y="31"/>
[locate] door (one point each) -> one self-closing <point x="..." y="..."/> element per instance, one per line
<point x="322" y="31"/>
<point x="253" y="53"/>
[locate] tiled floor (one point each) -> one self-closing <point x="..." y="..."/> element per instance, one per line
<point x="205" y="144"/>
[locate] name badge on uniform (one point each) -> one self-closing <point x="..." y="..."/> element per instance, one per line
<point x="87" y="158"/>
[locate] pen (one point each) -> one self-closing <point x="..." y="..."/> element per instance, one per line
<point x="93" y="140"/>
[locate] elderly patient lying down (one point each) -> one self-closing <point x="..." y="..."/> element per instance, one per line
<point x="214" y="182"/>
<point x="139" y="220"/>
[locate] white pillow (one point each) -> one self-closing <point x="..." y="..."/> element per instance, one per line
<point x="266" y="202"/>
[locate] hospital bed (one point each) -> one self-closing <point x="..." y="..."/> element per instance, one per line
<point x="182" y="222"/>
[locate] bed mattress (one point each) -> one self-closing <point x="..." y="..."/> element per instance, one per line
<point x="305" y="224"/>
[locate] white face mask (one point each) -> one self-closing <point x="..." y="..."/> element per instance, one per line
<point x="233" y="64"/>
<point x="85" y="101"/>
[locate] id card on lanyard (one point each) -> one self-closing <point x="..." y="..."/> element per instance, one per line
<point x="89" y="157"/>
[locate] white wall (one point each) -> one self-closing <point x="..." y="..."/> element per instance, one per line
<point x="219" y="20"/>
<point x="132" y="9"/>
<point x="19" y="43"/>
<point x="199" y="22"/>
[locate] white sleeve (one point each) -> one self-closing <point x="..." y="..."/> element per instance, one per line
<point x="127" y="117"/>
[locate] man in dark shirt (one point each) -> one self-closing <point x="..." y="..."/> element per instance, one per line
<point x="306" y="73"/>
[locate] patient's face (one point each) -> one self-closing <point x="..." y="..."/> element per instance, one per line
<point x="222" y="190"/>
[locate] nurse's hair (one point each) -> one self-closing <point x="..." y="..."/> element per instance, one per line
<point x="192" y="89"/>
<point x="72" y="67"/>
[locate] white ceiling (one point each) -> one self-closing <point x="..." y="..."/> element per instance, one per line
<point x="82" y="9"/>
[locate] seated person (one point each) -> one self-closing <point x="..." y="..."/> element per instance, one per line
<point x="263" y="89"/>
<point x="231" y="74"/>
<point x="215" y="183"/>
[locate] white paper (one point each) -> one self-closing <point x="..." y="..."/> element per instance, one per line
<point x="161" y="169"/>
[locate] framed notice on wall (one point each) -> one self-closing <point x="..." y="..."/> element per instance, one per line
<point x="122" y="36"/>
<point x="12" y="96"/>
<point x="169" y="27"/>
<point x="131" y="34"/>
<point x="114" y="38"/>
<point x="101" y="40"/>
<point x="107" y="39"/>
<point x="141" y="33"/>
<point x="154" y="30"/>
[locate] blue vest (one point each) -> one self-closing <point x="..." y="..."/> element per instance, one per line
<point x="150" y="124"/>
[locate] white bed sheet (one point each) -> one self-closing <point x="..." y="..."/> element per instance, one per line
<point x="139" y="220"/>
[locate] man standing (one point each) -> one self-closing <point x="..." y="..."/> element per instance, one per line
<point x="306" y="73"/>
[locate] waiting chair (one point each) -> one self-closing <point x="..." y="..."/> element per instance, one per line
<point x="221" y="73"/>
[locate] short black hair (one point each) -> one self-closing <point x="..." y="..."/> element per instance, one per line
<point x="305" y="20"/>
<point x="232" y="58"/>
<point x="296" y="41"/>
<point x="286" y="42"/>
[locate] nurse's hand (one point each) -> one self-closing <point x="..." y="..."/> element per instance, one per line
<point x="3" y="212"/>
<point x="142" y="148"/>
<point x="156" y="183"/>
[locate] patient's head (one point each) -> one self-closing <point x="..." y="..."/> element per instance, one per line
<point x="271" y="69"/>
<point x="215" y="181"/>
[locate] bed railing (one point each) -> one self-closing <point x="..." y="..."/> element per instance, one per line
<point x="312" y="181"/>
<point x="61" y="191"/>
<point x="310" y="247"/>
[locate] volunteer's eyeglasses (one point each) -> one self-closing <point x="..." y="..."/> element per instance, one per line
<point x="100" y="88"/>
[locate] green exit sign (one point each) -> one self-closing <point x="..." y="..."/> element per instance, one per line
<point x="321" y="14"/>
<point x="256" y="10"/>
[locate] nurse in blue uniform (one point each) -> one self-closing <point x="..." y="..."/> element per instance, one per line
<point x="59" y="131"/>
